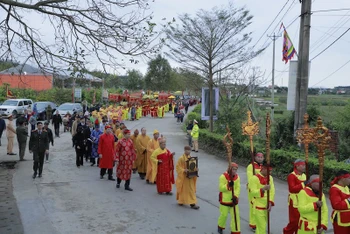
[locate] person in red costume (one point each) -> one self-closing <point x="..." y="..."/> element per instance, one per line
<point x="339" y="196"/>
<point x="125" y="156"/>
<point x="165" y="172"/>
<point x="106" y="153"/>
<point x="296" y="182"/>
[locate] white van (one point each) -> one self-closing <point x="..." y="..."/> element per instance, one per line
<point x="15" y="106"/>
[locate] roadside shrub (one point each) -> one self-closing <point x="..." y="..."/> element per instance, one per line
<point x="201" y="123"/>
<point x="198" y="109"/>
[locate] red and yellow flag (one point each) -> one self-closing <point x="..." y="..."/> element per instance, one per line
<point x="288" y="51"/>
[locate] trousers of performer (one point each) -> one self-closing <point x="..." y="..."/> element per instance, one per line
<point x="252" y="222"/>
<point x="127" y="182"/>
<point x="109" y="171"/>
<point x="224" y="210"/>
<point x="261" y="220"/>
<point x="294" y="215"/>
<point x="340" y="229"/>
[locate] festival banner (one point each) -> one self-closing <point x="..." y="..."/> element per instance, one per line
<point x="288" y="51"/>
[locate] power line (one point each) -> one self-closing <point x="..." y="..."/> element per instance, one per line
<point x="329" y="10"/>
<point x="332" y="73"/>
<point x="330" y="31"/>
<point x="330" y="44"/>
<point x="329" y="34"/>
<point x="272" y="22"/>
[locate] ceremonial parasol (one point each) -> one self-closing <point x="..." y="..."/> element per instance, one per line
<point x="171" y="97"/>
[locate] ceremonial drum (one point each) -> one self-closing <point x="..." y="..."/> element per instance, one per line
<point x="192" y="167"/>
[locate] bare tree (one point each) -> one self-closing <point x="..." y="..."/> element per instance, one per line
<point x="212" y="42"/>
<point x="106" y="31"/>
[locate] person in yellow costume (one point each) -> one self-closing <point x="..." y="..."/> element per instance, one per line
<point x="152" y="145"/>
<point x="185" y="187"/>
<point x="258" y="188"/>
<point x="229" y="180"/>
<point x="308" y="205"/>
<point x="258" y="159"/>
<point x="125" y="113"/>
<point x="138" y="112"/>
<point x="134" y="141"/>
<point x="141" y="147"/>
<point x="160" y="112"/>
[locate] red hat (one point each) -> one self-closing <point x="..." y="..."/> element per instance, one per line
<point x="126" y="131"/>
<point x="108" y="126"/>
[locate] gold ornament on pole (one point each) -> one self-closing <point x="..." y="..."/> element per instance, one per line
<point x="250" y="129"/>
<point x="228" y="142"/>
<point x="321" y="140"/>
<point x="305" y="136"/>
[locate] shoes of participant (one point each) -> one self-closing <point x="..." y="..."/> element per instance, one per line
<point x="117" y="186"/>
<point x="34" y="176"/>
<point x="128" y="189"/>
<point x="111" y="178"/>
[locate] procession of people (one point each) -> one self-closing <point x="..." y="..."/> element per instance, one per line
<point x="104" y="140"/>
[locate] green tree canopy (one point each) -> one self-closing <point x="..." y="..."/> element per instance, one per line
<point x="159" y="73"/>
<point x="134" y="80"/>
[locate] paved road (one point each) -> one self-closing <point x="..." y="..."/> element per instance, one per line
<point x="70" y="200"/>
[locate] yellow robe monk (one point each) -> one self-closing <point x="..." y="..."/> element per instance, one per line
<point x="120" y="136"/>
<point x="125" y="113"/>
<point x="134" y="140"/>
<point x="151" y="166"/>
<point x="139" y="113"/>
<point x="185" y="187"/>
<point x="117" y="132"/>
<point x="141" y="160"/>
<point x="160" y="112"/>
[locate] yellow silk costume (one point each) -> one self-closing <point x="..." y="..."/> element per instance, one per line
<point x="151" y="165"/>
<point x="160" y="112"/>
<point x="185" y="187"/>
<point x="252" y="222"/>
<point x="309" y="211"/>
<point x="259" y="200"/>
<point x="141" y="146"/>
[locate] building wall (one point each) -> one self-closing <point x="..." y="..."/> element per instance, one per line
<point x="35" y="82"/>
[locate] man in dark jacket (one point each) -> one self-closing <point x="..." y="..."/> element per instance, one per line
<point x="56" y="122"/>
<point x="88" y="127"/>
<point x="38" y="145"/>
<point x="2" y="127"/>
<point x="50" y="134"/>
<point x="22" y="135"/>
<point x="79" y="143"/>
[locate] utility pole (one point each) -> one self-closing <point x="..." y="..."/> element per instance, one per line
<point x="303" y="64"/>
<point x="274" y="38"/>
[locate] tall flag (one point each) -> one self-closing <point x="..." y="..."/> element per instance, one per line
<point x="288" y="51"/>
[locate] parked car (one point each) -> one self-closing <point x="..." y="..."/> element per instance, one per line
<point x="69" y="107"/>
<point x="15" y="106"/>
<point x="41" y="109"/>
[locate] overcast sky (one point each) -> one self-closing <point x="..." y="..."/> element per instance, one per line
<point x="325" y="28"/>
